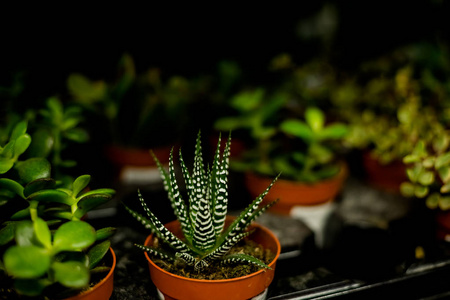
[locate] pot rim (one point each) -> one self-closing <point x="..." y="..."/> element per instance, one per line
<point x="253" y="225"/>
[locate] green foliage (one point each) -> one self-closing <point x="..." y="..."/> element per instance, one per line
<point x="202" y="218"/>
<point x="136" y="107"/>
<point x="43" y="242"/>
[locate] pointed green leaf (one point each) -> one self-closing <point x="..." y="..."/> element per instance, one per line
<point x="444" y="174"/>
<point x="90" y="202"/>
<point x="80" y="183"/>
<point x="97" y="252"/>
<point x="105" y="233"/>
<point x="333" y="132"/>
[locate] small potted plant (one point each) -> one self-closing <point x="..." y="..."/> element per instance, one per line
<point x="46" y="248"/>
<point x="428" y="173"/>
<point x="135" y="112"/>
<point x="184" y="255"/>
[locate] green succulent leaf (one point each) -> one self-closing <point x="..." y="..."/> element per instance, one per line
<point x="7" y="233"/>
<point x="442" y="160"/>
<point x="80" y="183"/>
<point x="105" y="233"/>
<point x="432" y="200"/>
<point x="444" y="202"/>
<point x="333" y="132"/>
<point x="42" y="233"/>
<point x="25" y="235"/>
<point x="407" y="189"/>
<point x="33" y="168"/>
<point x="71" y="274"/>
<point x="26" y="262"/>
<point x="426" y="178"/>
<point x="74" y="236"/>
<point x="97" y="252"/>
<point x="42" y="143"/>
<point x="14" y="186"/>
<point x="51" y="196"/>
<point x="38" y="185"/>
<point x="90" y="202"/>
<point x="243" y="258"/>
<point x="315" y="118"/>
<point x="421" y="191"/>
<point x="444" y="174"/>
<point x="298" y="129"/>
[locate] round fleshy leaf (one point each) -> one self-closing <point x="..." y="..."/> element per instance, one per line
<point x="71" y="274"/>
<point x="22" y="144"/>
<point x="42" y="143"/>
<point x="74" y="236"/>
<point x="26" y="262"/>
<point x="298" y="129"/>
<point x="33" y="168"/>
<point x="315" y="118"/>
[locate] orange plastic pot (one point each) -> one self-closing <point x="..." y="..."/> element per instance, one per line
<point x="246" y="287"/>
<point x="102" y="290"/>
<point x="386" y="177"/>
<point x="294" y="193"/>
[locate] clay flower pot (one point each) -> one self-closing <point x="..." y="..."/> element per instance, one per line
<point x="387" y="177"/>
<point x="246" y="287"/>
<point x="136" y="165"/>
<point x="294" y="193"/>
<point x="102" y="290"/>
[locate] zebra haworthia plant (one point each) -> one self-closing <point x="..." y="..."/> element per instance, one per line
<point x="202" y="219"/>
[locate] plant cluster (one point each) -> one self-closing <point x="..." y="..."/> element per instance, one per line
<point x="45" y="246"/>
<point x="136" y="106"/>
<point x="206" y="241"/>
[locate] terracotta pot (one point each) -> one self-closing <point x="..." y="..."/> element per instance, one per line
<point x="136" y="165"/>
<point x="384" y="177"/>
<point x="102" y="290"/>
<point x="294" y="193"/>
<point x="178" y="287"/>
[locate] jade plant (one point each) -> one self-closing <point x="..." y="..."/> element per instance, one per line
<point x="207" y="241"/>
<point x="46" y="248"/>
<point x="428" y="169"/>
<point x="318" y="157"/>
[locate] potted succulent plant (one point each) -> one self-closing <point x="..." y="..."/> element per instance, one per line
<point x="386" y="104"/>
<point x="428" y="173"/>
<point x="141" y="110"/>
<point x="46" y="248"/>
<point x="184" y="255"/>
<point x="304" y="150"/>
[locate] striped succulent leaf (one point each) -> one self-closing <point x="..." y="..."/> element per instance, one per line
<point x="202" y="220"/>
<point x="242" y="222"/>
<point x="243" y="258"/>
<point x="162" y="232"/>
<point x="219" y="183"/>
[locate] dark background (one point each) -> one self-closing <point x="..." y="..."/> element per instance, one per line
<point x="51" y="42"/>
